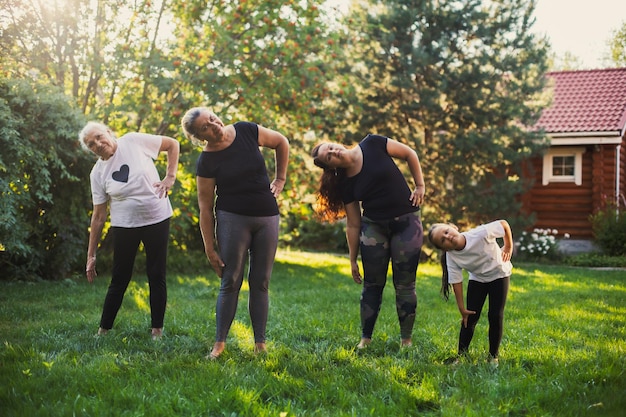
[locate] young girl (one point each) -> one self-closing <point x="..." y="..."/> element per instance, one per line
<point x="489" y="268"/>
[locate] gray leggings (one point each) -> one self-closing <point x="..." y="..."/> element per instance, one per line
<point x="238" y="236"/>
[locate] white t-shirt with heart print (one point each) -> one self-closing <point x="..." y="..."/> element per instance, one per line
<point x="126" y="181"/>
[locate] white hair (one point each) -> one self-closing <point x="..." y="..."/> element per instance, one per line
<point x="89" y="127"/>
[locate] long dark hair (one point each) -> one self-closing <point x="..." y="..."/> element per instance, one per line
<point x="329" y="199"/>
<point x="443" y="259"/>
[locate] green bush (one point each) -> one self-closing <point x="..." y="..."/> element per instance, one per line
<point x="44" y="183"/>
<point x="300" y="228"/>
<point x="609" y="229"/>
<point x="314" y="235"/>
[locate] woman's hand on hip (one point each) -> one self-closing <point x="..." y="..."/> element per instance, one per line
<point x="417" y="196"/>
<point x="276" y="187"/>
<point x="163" y="187"/>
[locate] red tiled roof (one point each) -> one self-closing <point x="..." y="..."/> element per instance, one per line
<point x="586" y="101"/>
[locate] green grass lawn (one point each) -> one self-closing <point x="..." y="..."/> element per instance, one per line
<point x="563" y="352"/>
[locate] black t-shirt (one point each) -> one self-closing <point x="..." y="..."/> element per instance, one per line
<point x="380" y="185"/>
<point x="242" y="183"/>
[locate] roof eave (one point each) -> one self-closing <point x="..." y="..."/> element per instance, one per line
<point x="586" y="138"/>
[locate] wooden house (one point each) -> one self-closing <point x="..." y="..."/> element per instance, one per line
<point x="585" y="165"/>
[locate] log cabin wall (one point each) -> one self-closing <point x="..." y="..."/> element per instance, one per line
<point x="562" y="206"/>
<point x="604" y="174"/>
<point x="567" y="206"/>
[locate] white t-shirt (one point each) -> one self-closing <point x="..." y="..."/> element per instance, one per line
<point x="481" y="257"/>
<point x="126" y="180"/>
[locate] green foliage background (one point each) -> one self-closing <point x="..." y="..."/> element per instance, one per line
<point x="609" y="228"/>
<point x="42" y="175"/>
<point x="457" y="81"/>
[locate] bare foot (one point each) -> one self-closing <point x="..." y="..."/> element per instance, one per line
<point x="157" y="333"/>
<point x="260" y="348"/>
<point x="406" y="343"/>
<point x="364" y="343"/>
<point x="102" y="332"/>
<point x="218" y="348"/>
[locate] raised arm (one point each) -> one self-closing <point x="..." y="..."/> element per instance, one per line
<point x="172" y="148"/>
<point x="272" y="139"/>
<point x="507" y="249"/>
<point x="401" y="151"/>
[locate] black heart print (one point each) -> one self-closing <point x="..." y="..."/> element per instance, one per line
<point x="122" y="174"/>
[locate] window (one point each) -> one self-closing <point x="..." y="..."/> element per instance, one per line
<point x="563" y="164"/>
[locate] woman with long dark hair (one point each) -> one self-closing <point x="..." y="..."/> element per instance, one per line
<point x="364" y="184"/>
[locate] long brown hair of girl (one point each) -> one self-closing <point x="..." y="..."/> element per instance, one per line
<point x="445" y="283"/>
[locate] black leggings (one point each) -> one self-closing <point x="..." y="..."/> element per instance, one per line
<point x="125" y="245"/>
<point x="477" y="293"/>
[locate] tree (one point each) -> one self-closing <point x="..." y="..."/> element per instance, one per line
<point x="44" y="41"/>
<point x="139" y="65"/>
<point x="460" y="82"/>
<point x="617" y="47"/>
<point x="273" y="62"/>
<point x="566" y="62"/>
<point x="44" y="182"/>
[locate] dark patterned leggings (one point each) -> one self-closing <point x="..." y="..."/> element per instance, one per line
<point x="399" y="240"/>
<point x="477" y="293"/>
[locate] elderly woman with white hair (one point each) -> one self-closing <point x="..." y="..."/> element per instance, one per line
<point x="125" y="178"/>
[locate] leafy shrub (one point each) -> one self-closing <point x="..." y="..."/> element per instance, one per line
<point x="301" y="229"/>
<point x="44" y="183"/>
<point x="540" y="244"/>
<point x="609" y="229"/>
<point x="317" y="236"/>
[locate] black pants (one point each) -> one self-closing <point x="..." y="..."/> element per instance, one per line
<point x="125" y="245"/>
<point x="477" y="293"/>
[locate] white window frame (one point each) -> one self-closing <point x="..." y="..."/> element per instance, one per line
<point x="548" y="158"/>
